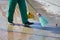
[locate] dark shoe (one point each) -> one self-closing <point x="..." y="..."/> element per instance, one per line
<point x="27" y="26"/>
<point x="28" y="23"/>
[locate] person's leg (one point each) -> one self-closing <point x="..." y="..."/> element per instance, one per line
<point x="23" y="10"/>
<point x="12" y="4"/>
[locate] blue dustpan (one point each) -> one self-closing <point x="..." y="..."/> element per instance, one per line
<point x="43" y="21"/>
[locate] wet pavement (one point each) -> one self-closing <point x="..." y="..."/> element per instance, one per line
<point x="15" y="32"/>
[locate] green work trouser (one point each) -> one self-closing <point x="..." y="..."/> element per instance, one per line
<point x="22" y="8"/>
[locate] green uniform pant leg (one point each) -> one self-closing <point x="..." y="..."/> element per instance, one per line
<point x="23" y="10"/>
<point x="12" y="4"/>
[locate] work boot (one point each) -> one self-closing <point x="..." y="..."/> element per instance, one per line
<point x="27" y="24"/>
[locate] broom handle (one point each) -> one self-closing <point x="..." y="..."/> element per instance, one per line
<point x="36" y="17"/>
